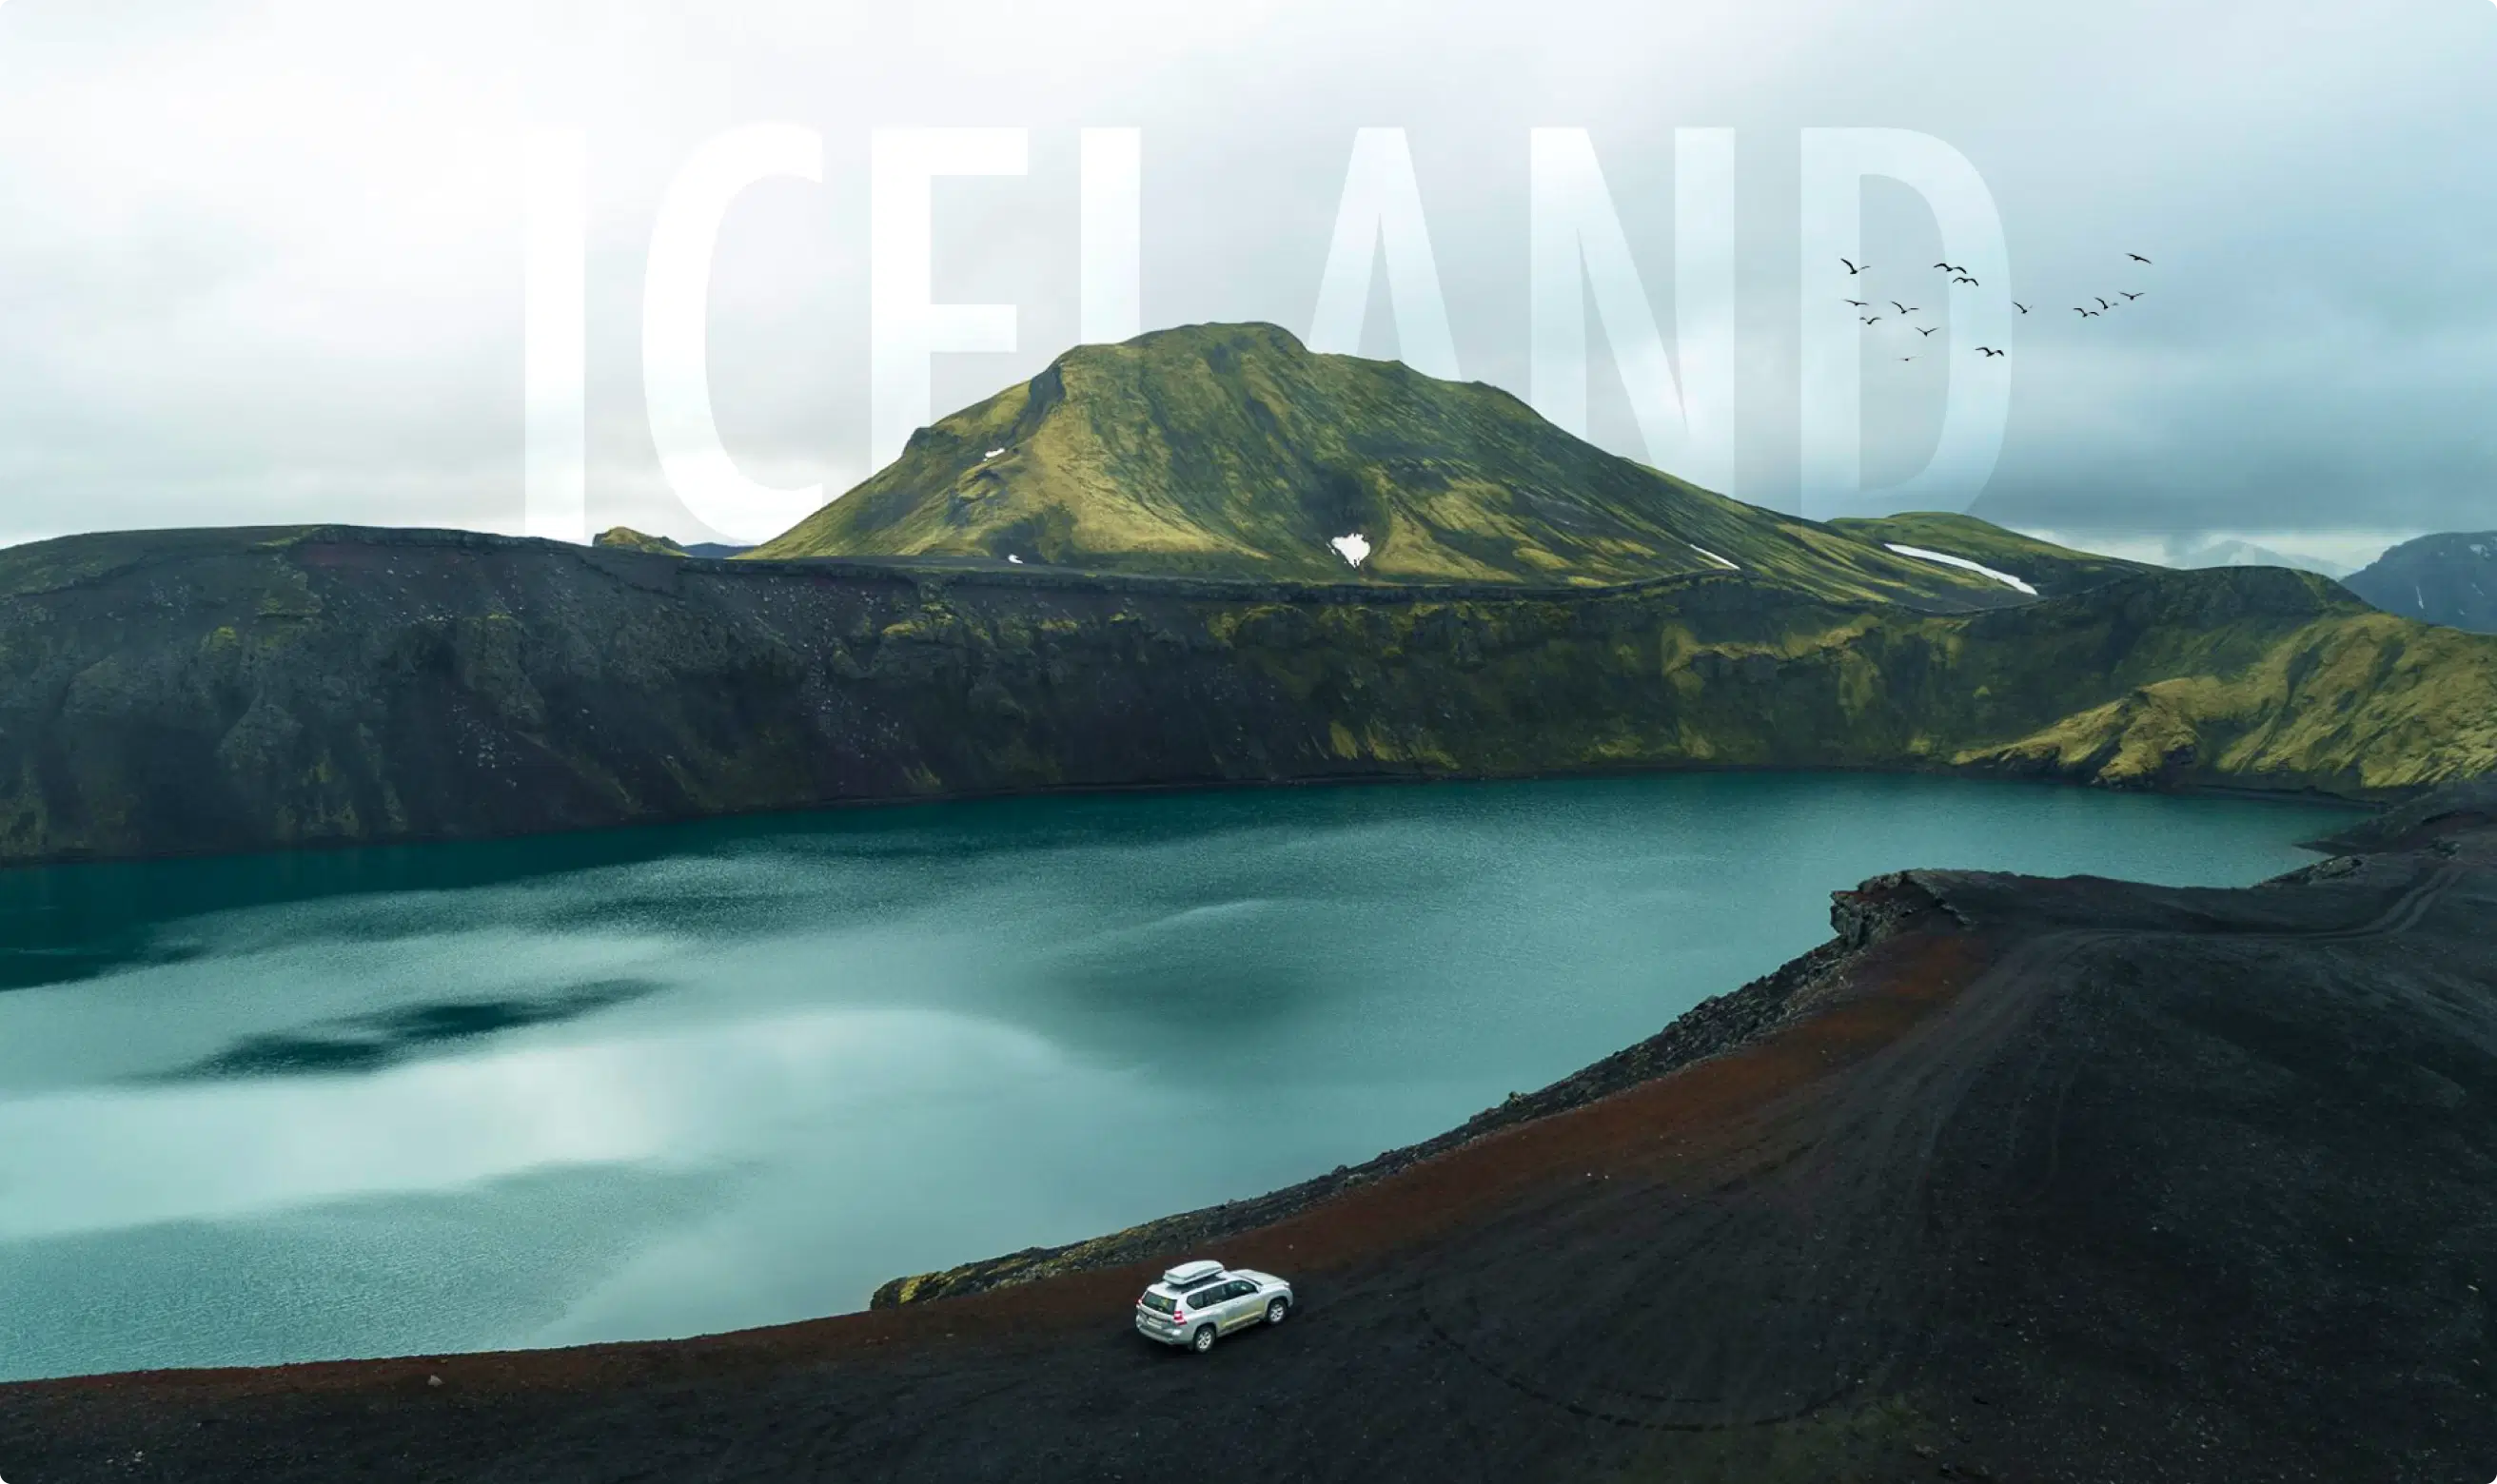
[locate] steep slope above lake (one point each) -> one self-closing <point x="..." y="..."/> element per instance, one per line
<point x="176" y="692"/>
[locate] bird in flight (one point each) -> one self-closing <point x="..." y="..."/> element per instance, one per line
<point x="2136" y="257"/>
<point x="1988" y="350"/>
<point x="2102" y="303"/>
<point x="1928" y="331"/>
<point x="1963" y="278"/>
<point x="1870" y="321"/>
<point x="2087" y="314"/>
<point x="1853" y="267"/>
<point x="1949" y="269"/>
<point x="2017" y="304"/>
<point x="1858" y="303"/>
<point x="1907" y="357"/>
<point x="2127" y="294"/>
<point x="1902" y="308"/>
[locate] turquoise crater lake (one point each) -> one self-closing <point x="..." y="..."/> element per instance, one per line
<point x="664" y="1081"/>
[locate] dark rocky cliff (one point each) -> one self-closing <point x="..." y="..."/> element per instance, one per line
<point x="169" y="692"/>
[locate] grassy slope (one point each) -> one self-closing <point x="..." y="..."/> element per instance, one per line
<point x="2338" y="692"/>
<point x="2251" y="677"/>
<point x="1230" y="448"/>
<point x="2051" y="569"/>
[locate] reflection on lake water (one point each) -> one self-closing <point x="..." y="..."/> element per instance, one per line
<point x="671" y="1081"/>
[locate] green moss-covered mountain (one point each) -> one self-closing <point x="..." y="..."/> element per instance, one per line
<point x="194" y="691"/>
<point x="1232" y="449"/>
<point x="2052" y="570"/>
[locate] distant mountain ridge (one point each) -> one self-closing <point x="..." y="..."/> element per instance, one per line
<point x="631" y="540"/>
<point x="2234" y="553"/>
<point x="2449" y="579"/>
<point x="1233" y="450"/>
<point x="626" y="538"/>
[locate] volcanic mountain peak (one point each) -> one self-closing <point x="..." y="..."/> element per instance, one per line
<point x="1235" y="450"/>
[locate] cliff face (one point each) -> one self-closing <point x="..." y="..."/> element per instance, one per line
<point x="231" y="690"/>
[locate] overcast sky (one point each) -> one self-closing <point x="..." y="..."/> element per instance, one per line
<point x="262" y="262"/>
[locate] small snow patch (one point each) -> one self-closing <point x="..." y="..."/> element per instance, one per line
<point x="1354" y="549"/>
<point x="1948" y="560"/>
<point x="1017" y="560"/>
<point x="993" y="452"/>
<point x="1713" y="557"/>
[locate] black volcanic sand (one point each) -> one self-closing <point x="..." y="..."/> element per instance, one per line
<point x="2023" y="1180"/>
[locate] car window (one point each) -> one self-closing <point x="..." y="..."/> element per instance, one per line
<point x="1241" y="1288"/>
<point x="1212" y="1295"/>
<point x="1160" y="1302"/>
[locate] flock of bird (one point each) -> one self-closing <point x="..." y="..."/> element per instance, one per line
<point x="1959" y="276"/>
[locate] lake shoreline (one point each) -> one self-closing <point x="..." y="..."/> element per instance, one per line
<point x="1859" y="1197"/>
<point x="1014" y="980"/>
<point x="2359" y="806"/>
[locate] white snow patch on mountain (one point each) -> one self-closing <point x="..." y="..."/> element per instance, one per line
<point x="1948" y="560"/>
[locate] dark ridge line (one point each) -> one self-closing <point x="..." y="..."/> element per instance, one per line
<point x="938" y="572"/>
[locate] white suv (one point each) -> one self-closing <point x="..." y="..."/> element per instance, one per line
<point x="1197" y="1302"/>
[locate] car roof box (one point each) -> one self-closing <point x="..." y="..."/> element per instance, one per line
<point x="1187" y="1273"/>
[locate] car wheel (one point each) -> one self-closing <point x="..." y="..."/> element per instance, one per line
<point x="1203" y="1341"/>
<point x="1276" y="1310"/>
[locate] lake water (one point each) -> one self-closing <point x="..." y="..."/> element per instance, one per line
<point x="664" y="1081"/>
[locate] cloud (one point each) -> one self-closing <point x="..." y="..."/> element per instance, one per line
<point x="260" y="258"/>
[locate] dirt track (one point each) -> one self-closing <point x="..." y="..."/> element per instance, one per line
<point x="2063" y="1181"/>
